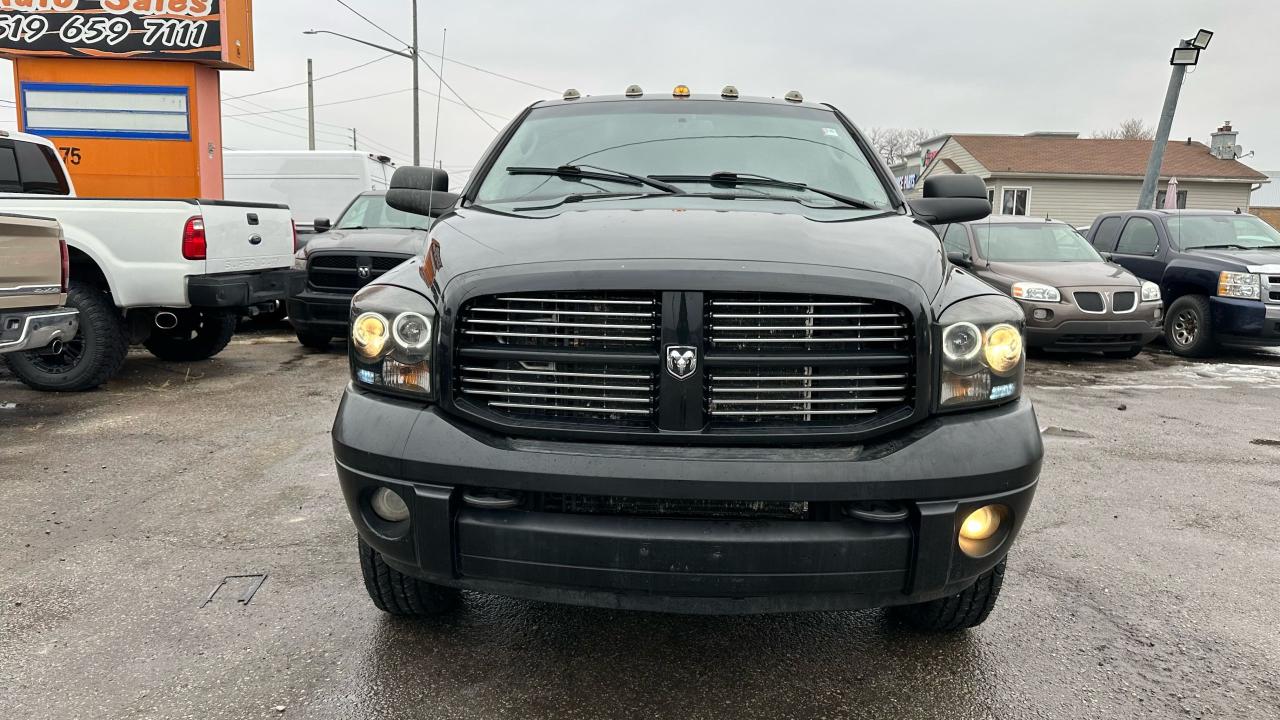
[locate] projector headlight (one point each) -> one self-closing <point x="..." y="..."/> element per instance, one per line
<point x="392" y="337"/>
<point x="983" y="355"/>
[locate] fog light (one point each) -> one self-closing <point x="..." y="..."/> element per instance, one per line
<point x="1042" y="314"/>
<point x="389" y="506"/>
<point x="982" y="524"/>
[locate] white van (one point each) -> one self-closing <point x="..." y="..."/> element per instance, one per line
<point x="314" y="185"/>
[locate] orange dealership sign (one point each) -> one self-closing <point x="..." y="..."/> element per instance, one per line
<point x="210" y="32"/>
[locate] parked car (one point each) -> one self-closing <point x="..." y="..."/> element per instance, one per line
<point x="314" y="184"/>
<point x="1218" y="271"/>
<point x="172" y="275"/>
<point x="369" y="240"/>
<point x="720" y="366"/>
<point x="1074" y="299"/>
<point x="33" y="286"/>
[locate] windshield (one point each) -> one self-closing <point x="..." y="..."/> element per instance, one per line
<point x="1033" y="242"/>
<point x="1245" y="231"/>
<point x="372" y="211"/>
<point x="693" y="138"/>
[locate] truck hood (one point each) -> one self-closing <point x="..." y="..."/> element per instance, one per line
<point x="1067" y="274"/>
<point x="387" y="240"/>
<point x="473" y="239"/>
<point x="1244" y="258"/>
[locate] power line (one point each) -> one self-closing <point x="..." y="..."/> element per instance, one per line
<point x="389" y="34"/>
<point x="386" y="32"/>
<point x="328" y="104"/>
<point x="275" y="130"/>
<point x="302" y="124"/>
<point x="304" y="82"/>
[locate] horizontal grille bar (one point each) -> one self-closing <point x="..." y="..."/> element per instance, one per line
<point x="559" y="396"/>
<point x="576" y="386"/>
<point x="577" y="301"/>
<point x="818" y="389"/>
<point x="794" y="303"/>
<point x="575" y="313"/>
<point x="549" y="323"/>
<point x="608" y="376"/>
<point x="498" y="334"/>
<point x="763" y="339"/>
<point x="790" y="378"/>
<point x="790" y="413"/>
<point x="802" y="328"/>
<point x="571" y="409"/>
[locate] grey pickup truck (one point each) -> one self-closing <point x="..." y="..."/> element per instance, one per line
<point x="33" y="285"/>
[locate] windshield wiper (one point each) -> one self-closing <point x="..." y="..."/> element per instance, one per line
<point x="595" y="172"/>
<point x="733" y="178"/>
<point x="580" y="197"/>
<point x="1224" y="246"/>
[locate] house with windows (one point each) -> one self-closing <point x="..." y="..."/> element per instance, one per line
<point x="1074" y="179"/>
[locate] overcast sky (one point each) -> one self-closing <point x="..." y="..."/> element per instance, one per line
<point x="974" y="66"/>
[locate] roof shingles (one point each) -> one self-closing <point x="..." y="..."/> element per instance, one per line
<point x="1081" y="156"/>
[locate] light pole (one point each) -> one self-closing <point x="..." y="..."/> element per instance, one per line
<point x="1187" y="54"/>
<point x="412" y="55"/>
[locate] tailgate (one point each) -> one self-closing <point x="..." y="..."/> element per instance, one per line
<point x="30" y="262"/>
<point x="246" y="236"/>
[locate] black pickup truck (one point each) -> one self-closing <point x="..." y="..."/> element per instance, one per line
<point x="1218" y="271"/>
<point x="687" y="354"/>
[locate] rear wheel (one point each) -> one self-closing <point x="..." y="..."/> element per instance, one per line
<point x="315" y="341"/>
<point x="1188" y="329"/>
<point x="84" y="362"/>
<point x="966" y="609"/>
<point x="199" y="335"/>
<point x="394" y="592"/>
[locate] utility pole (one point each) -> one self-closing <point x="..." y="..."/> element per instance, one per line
<point x="1147" y="198"/>
<point x="355" y="141"/>
<point x="311" y="107"/>
<point x="417" y="96"/>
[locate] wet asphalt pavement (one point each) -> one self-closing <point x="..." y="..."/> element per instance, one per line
<point x="1146" y="582"/>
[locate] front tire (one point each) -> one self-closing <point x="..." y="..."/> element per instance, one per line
<point x="86" y="361"/>
<point x="1188" y="329"/>
<point x="966" y="609"/>
<point x="200" y="335"/>
<point x="398" y="594"/>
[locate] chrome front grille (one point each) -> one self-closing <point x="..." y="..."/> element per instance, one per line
<point x="806" y="393"/>
<point x="603" y="322"/>
<point x="504" y="367"/>
<point x="778" y="322"/>
<point x="765" y="362"/>
<point x="621" y="394"/>
<point x="1272" y="288"/>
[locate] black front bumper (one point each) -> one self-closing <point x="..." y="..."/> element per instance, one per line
<point x="239" y="290"/>
<point x="318" y="313"/>
<point x="940" y="470"/>
<point x="1245" y="322"/>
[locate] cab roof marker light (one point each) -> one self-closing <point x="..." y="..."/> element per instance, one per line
<point x="729" y="92"/>
<point x="572" y="94"/>
<point x="681" y="91"/>
<point x="794" y="96"/>
<point x="634" y="91"/>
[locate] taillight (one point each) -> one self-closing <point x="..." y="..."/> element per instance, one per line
<point x="294" y="225"/>
<point x="194" y="245"/>
<point x="66" y="265"/>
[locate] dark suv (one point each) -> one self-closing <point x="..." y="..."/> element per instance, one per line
<point x="689" y="354"/>
<point x="1218" y="271"/>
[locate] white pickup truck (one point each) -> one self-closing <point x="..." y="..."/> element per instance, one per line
<point x="171" y="275"/>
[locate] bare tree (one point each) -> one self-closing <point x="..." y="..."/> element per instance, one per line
<point x="1131" y="129"/>
<point x="893" y="144"/>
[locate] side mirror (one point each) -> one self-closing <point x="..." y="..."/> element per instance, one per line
<point x="1107" y="256"/>
<point x="958" y="258"/>
<point x="421" y="191"/>
<point x="321" y="225"/>
<point x="952" y="198"/>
